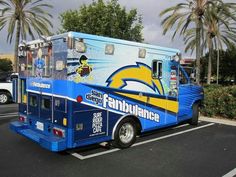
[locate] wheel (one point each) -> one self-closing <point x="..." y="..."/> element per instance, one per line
<point x="194" y="119"/>
<point x="125" y="133"/>
<point x="4" y="98"/>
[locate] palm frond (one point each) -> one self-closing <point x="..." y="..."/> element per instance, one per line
<point x="32" y="15"/>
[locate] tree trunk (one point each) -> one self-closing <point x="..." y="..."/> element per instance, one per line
<point x="16" y="62"/>
<point x="218" y="65"/>
<point x="209" y="62"/>
<point x="198" y="50"/>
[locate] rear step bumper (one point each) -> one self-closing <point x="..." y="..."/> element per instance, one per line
<point x="51" y="143"/>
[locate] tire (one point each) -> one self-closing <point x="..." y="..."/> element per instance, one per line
<point x="194" y="119"/>
<point x="4" y="98"/>
<point x="125" y="134"/>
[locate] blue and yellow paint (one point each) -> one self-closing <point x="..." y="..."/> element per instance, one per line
<point x="141" y="73"/>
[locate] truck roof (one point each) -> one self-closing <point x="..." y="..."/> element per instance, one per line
<point x="105" y="39"/>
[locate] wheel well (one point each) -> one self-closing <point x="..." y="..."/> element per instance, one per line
<point x="137" y="122"/>
<point x="199" y="102"/>
<point x="5" y="91"/>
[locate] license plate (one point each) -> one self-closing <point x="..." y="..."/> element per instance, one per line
<point x="39" y="126"/>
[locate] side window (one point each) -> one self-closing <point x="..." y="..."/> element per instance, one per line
<point x="157" y="69"/>
<point x="60" y="104"/>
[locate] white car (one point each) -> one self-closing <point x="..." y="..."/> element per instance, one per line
<point x="6" y="90"/>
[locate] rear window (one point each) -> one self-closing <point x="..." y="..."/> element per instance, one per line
<point x="46" y="103"/>
<point x="33" y="101"/>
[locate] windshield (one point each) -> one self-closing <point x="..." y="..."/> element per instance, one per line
<point x="190" y="72"/>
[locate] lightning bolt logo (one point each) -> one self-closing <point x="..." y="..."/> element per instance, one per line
<point x="141" y="73"/>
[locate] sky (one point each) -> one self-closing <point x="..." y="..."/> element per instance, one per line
<point x="149" y="9"/>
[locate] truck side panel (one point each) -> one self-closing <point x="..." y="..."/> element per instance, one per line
<point x="121" y="75"/>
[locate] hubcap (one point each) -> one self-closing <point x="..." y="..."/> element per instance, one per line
<point x="3" y="98"/>
<point x="126" y="133"/>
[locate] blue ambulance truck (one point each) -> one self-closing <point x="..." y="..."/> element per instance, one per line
<point x="77" y="89"/>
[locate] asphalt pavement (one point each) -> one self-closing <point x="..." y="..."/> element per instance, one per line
<point x="208" y="150"/>
<point x="8" y="108"/>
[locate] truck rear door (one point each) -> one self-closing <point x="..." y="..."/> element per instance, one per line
<point x="40" y="84"/>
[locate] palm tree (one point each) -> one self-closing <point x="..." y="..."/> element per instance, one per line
<point x="22" y="18"/>
<point x="230" y="17"/>
<point x="218" y="31"/>
<point x="183" y="16"/>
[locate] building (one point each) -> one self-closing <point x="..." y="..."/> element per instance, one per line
<point x="187" y="61"/>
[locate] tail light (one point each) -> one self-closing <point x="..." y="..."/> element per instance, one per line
<point x="58" y="132"/>
<point x="22" y="119"/>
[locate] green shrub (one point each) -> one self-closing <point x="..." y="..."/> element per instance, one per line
<point x="220" y="101"/>
<point x="5" y="65"/>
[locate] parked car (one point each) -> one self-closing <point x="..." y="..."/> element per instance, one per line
<point x="6" y="89"/>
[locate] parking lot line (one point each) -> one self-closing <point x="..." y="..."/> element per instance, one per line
<point x="93" y="155"/>
<point x="231" y="173"/>
<point x="180" y="126"/>
<point x="8" y="115"/>
<point x="81" y="157"/>
<point x="174" y="134"/>
<point x="12" y="113"/>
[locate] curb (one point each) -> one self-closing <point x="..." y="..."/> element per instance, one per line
<point x="218" y="121"/>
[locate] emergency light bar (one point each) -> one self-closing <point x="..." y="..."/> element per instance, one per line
<point x="77" y="44"/>
<point x="80" y="46"/>
<point x="142" y="53"/>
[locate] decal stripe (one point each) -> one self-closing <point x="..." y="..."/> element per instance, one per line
<point x="168" y="105"/>
<point x="112" y="90"/>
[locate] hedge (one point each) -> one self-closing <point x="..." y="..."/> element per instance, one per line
<point x="219" y="101"/>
